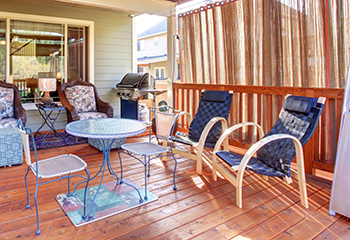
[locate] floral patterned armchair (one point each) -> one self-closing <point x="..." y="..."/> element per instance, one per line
<point x="82" y="101"/>
<point x="11" y="107"/>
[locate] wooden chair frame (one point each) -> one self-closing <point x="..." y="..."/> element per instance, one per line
<point x="237" y="181"/>
<point x="199" y="146"/>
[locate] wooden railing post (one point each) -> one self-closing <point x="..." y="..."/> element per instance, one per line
<point x="309" y="148"/>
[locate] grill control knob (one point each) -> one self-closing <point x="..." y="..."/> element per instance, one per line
<point x="118" y="93"/>
<point x="128" y="95"/>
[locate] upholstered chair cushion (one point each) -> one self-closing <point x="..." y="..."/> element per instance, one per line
<point x="82" y="98"/>
<point x="6" y="102"/>
<point x="89" y="115"/>
<point x="8" y="122"/>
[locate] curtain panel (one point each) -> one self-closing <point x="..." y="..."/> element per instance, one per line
<point x="287" y="43"/>
<point x="296" y="43"/>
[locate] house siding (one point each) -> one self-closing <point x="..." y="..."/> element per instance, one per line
<point x="112" y="48"/>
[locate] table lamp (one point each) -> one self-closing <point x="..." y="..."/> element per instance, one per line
<point x="47" y="85"/>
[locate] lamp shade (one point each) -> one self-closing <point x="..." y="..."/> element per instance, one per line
<point x="47" y="84"/>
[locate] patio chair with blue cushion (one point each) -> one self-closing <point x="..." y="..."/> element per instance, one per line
<point x="207" y="125"/>
<point x="273" y="154"/>
<point x="57" y="168"/>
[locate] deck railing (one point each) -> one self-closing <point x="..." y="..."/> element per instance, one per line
<point x="261" y="104"/>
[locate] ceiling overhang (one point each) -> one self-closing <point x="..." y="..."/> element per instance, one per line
<point x="161" y="8"/>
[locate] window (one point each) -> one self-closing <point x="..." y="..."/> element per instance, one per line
<point x="76" y="58"/>
<point x="159" y="72"/>
<point x="156" y="43"/>
<point x="30" y="50"/>
<point x="141" y="45"/>
<point x="36" y="51"/>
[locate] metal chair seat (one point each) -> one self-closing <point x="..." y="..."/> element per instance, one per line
<point x="164" y="124"/>
<point x="59" y="166"/>
<point x="145" y="148"/>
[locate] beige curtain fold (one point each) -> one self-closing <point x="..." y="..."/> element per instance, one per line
<point x="293" y="43"/>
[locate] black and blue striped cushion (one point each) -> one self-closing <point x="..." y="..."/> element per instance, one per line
<point x="212" y="104"/>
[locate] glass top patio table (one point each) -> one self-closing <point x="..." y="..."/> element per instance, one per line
<point x="106" y="130"/>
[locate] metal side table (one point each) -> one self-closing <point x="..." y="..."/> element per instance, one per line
<point x="46" y="113"/>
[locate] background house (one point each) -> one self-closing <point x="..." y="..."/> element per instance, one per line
<point x="152" y="55"/>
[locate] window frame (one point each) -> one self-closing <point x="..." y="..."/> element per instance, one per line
<point x="57" y="20"/>
<point x="141" y="45"/>
<point x="160" y="72"/>
<point x="156" y="41"/>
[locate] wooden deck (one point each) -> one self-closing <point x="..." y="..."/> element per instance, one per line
<point x="200" y="209"/>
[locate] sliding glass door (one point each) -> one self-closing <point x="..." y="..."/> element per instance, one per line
<point x="41" y="50"/>
<point x="36" y="51"/>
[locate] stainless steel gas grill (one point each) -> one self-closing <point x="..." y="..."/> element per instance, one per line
<point x="133" y="87"/>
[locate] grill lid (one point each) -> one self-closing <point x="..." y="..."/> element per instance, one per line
<point x="136" y="80"/>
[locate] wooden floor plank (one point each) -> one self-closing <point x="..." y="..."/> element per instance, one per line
<point x="200" y="209"/>
<point x="339" y="230"/>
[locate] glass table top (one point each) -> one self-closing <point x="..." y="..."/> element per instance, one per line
<point x="106" y="128"/>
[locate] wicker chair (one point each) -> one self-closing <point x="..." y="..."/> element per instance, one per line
<point x="11" y="108"/>
<point x="274" y="153"/>
<point x="76" y="97"/>
<point x="59" y="168"/>
<point x="206" y="127"/>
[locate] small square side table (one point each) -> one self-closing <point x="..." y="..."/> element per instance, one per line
<point x="45" y="113"/>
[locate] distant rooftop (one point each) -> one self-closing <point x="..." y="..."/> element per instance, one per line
<point x="158" y="28"/>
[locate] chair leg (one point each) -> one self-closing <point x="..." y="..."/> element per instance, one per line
<point x="36" y="206"/>
<point x="146" y="178"/>
<point x="68" y="194"/>
<point x="214" y="173"/>
<point x="149" y="167"/>
<point x="86" y="186"/>
<point x="239" y="183"/>
<point x="25" y="181"/>
<point x="175" y="188"/>
<point x="199" y="163"/>
<point x="302" y="189"/>
<point x="121" y="166"/>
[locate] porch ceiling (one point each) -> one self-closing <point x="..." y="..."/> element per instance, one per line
<point x="156" y="7"/>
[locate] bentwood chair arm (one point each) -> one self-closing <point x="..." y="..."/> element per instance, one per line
<point x="225" y="135"/>
<point x="255" y="147"/>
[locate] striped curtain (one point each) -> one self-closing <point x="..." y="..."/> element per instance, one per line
<point x="293" y="43"/>
<point x="298" y="43"/>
